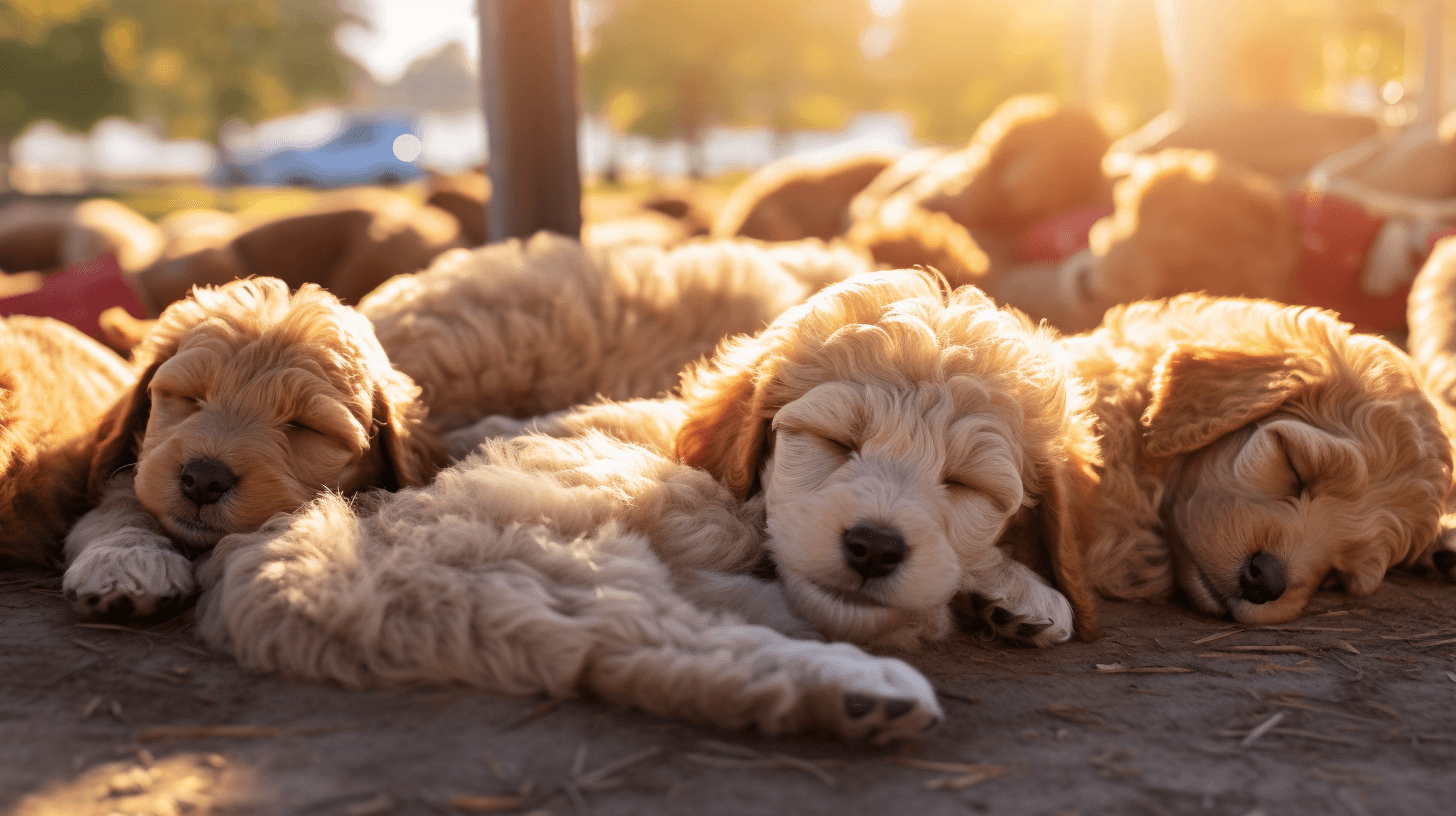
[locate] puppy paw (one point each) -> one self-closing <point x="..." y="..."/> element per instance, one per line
<point x="862" y="697"/>
<point x="128" y="574"/>
<point x="1045" y="623"/>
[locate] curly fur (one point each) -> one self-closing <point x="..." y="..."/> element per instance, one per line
<point x="564" y="566"/>
<point x="1234" y="427"/>
<point x="56" y="384"/>
<point x="289" y="393"/>
<point x="527" y="328"/>
<point x="888" y="400"/>
<point x="1432" y="344"/>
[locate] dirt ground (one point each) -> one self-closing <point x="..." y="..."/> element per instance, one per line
<point x="1350" y="710"/>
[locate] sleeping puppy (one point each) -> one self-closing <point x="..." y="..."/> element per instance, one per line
<point x="251" y="402"/>
<point x="1252" y="452"/>
<point x="56" y="384"/>
<point x="898" y="432"/>
<point x="523" y="328"/>
<point x="1432" y="343"/>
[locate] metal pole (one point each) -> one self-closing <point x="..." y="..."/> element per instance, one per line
<point x="528" y="81"/>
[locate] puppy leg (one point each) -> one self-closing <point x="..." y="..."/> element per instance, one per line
<point x="759" y="602"/>
<point x="1017" y="604"/>
<point x="117" y="565"/>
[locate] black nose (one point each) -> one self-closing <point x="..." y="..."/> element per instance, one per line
<point x="873" y="551"/>
<point x="1262" y="579"/>
<point x="204" y="481"/>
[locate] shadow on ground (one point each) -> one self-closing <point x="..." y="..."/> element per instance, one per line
<point x="1350" y="710"/>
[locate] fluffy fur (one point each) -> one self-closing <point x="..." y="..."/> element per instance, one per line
<point x="528" y="328"/>
<point x="56" y="384"/>
<point x="515" y="571"/>
<point x="1185" y="221"/>
<point x="251" y="401"/>
<point x="891" y="408"/>
<point x="1432" y="344"/>
<point x="1233" y="428"/>
<point x="791" y="199"/>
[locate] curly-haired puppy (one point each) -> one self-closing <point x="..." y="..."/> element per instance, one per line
<point x="1432" y="344"/>
<point x="252" y="400"/>
<point x="898" y="431"/>
<point x="56" y="384"/>
<point x="1251" y="452"/>
<point x="526" y="328"/>
<point x="564" y="566"/>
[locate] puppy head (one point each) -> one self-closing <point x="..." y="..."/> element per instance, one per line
<point x="896" y="430"/>
<point x="1297" y="454"/>
<point x="252" y="400"/>
<point x="1030" y="159"/>
<point x="1187" y="221"/>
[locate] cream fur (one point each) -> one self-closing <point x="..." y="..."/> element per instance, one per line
<point x="564" y="566"/>
<point x="522" y="329"/>
<point x="889" y="401"/>
<point x="1432" y="342"/>
<point x="1231" y="427"/>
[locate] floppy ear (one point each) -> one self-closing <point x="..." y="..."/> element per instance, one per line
<point x="725" y="432"/>
<point x="1201" y="393"/>
<point x="411" y="453"/>
<point x="120" y="432"/>
<point x="1051" y="537"/>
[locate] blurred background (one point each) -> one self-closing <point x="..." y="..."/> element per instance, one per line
<point x="101" y="96"/>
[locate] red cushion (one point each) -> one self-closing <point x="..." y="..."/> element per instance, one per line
<point x="1338" y="234"/>
<point x="78" y="295"/>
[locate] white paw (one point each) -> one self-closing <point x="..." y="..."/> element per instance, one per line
<point x="130" y="573"/>
<point x="861" y="697"/>
<point x="1045" y="619"/>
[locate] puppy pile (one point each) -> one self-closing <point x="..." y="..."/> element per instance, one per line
<point x="711" y="480"/>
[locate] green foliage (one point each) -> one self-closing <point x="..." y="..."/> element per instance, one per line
<point x="62" y="75"/>
<point x="673" y="67"/>
<point x="185" y="65"/>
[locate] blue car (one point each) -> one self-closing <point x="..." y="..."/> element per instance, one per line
<point x="368" y="151"/>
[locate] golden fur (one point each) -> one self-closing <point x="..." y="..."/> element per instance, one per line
<point x="1232" y="428"/>
<point x="1432" y="343"/>
<point x="56" y="384"/>
<point x="525" y="328"/>
<point x="889" y="403"/>
<point x="791" y="199"/>
<point x="289" y="394"/>
<point x="349" y="242"/>
<point x="1185" y="221"/>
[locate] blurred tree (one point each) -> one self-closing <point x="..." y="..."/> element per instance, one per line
<point x="187" y="66"/>
<point x="672" y="68"/>
<point x="952" y="61"/>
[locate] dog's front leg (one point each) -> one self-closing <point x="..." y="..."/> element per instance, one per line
<point x="118" y="564"/>
<point x="1017" y="604"/>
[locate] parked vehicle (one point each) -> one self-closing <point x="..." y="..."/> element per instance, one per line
<point x="369" y="150"/>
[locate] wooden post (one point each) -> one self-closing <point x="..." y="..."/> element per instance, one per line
<point x="528" y="81"/>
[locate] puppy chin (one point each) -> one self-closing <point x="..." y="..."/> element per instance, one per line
<point x="857" y="618"/>
<point x="191" y="533"/>
<point x="1204" y="595"/>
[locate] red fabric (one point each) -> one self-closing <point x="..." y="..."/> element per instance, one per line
<point x="78" y="295"/>
<point x="1058" y="238"/>
<point x="1338" y="234"/>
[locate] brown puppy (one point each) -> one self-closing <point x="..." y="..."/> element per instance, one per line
<point x="55" y="385"/>
<point x="1251" y="452"/>
<point x="793" y="199"/>
<point x="251" y="402"/>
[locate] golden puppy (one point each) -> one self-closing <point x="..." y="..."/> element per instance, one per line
<point x="56" y="384"/>
<point x="1185" y="221"/>
<point x="251" y="402"/>
<point x="525" y="328"/>
<point x="898" y="432"/>
<point x="793" y="199"/>
<point x="1251" y="452"/>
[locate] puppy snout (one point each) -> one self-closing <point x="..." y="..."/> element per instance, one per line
<point x="204" y="481"/>
<point x="873" y="551"/>
<point x="1262" y="579"/>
